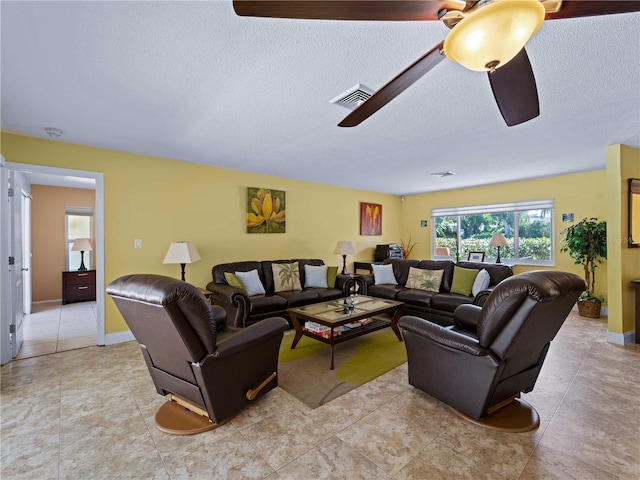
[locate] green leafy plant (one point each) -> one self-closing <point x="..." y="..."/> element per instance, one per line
<point x="586" y="243"/>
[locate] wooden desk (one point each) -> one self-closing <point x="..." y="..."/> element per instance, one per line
<point x="636" y="284"/>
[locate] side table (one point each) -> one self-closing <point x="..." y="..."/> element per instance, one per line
<point x="636" y="284"/>
<point x="206" y="293"/>
<point x="78" y="286"/>
<point x="355" y="284"/>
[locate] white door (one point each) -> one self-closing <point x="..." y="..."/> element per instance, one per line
<point x="15" y="262"/>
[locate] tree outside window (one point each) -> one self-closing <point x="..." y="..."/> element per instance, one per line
<point x="528" y="234"/>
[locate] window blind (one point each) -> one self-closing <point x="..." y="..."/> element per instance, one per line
<point x="493" y="208"/>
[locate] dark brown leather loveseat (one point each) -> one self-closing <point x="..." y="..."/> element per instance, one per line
<point x="244" y="310"/>
<point x="438" y="307"/>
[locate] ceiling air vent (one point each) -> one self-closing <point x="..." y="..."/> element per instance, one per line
<point x="353" y="97"/>
<point x="446" y="173"/>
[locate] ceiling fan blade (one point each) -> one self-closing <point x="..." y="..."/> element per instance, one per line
<point x="514" y="88"/>
<point x="347" y="10"/>
<point x="395" y="87"/>
<point x="583" y="8"/>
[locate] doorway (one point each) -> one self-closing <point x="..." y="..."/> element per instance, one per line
<point x="41" y="175"/>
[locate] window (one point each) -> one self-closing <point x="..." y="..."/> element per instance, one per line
<point x="527" y="226"/>
<point x="78" y="225"/>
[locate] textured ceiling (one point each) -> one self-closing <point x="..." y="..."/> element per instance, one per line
<point x="194" y="82"/>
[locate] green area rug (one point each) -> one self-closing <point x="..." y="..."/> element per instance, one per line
<point x="304" y="372"/>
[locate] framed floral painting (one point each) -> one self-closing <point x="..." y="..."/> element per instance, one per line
<point x="265" y="211"/>
<point x="370" y="219"/>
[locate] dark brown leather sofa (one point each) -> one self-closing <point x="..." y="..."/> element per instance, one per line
<point x="243" y="310"/>
<point x="210" y="372"/>
<point x="493" y="352"/>
<point x="437" y="307"/>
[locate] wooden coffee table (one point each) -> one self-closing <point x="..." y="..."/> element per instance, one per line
<point x="334" y="314"/>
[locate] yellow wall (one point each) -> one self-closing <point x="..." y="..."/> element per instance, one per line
<point x="624" y="263"/>
<point x="48" y="236"/>
<point x="583" y="194"/>
<point x="162" y="201"/>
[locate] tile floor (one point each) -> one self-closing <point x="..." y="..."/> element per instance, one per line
<point x="88" y="413"/>
<point x="52" y="327"/>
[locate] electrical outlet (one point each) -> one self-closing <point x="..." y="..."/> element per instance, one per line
<point x="423" y="223"/>
<point x="137" y="243"/>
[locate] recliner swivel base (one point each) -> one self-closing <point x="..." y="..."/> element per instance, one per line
<point x="178" y="417"/>
<point x="517" y="416"/>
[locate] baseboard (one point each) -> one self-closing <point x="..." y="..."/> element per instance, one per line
<point x="55" y="300"/>
<point x="118" y="337"/>
<point x="627" y="338"/>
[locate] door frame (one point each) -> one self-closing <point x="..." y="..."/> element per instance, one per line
<point x="98" y="186"/>
<point x="5" y="275"/>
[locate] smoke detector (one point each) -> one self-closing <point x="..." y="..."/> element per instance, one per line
<point x="53" y="132"/>
<point x="446" y="173"/>
<point x="353" y="97"/>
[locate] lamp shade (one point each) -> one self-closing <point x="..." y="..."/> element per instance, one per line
<point x="492" y="35"/>
<point x="498" y="240"/>
<point x="181" y="252"/>
<point x="81" y="245"/>
<point x="344" y="248"/>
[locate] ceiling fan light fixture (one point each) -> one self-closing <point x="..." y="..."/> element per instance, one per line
<point x="492" y="35"/>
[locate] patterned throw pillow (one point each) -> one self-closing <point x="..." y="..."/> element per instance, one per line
<point x="423" y="279"/>
<point x="286" y="277"/>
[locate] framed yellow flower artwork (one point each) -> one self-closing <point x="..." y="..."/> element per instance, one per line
<point x="266" y="211"/>
<point x="370" y="219"/>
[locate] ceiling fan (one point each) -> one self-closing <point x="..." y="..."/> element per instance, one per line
<point x="486" y="35"/>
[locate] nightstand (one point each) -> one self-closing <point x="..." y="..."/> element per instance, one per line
<point x="78" y="286"/>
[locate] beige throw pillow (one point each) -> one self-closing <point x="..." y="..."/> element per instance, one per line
<point x="286" y="277"/>
<point x="422" y="279"/>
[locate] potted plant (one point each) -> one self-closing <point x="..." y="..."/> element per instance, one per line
<point x="406" y="249"/>
<point x="586" y="242"/>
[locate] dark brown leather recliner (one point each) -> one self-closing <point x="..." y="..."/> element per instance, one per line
<point x="480" y="365"/>
<point x="209" y="377"/>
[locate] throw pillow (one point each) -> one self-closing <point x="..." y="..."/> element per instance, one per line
<point x="463" y="279"/>
<point x="481" y="282"/>
<point x="286" y="277"/>
<point x="423" y="279"/>
<point x="251" y="282"/>
<point x="233" y="281"/>
<point x="383" y="275"/>
<point x="332" y="273"/>
<point x="315" y="276"/>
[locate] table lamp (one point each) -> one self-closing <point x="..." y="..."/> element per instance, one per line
<point x="344" y="248"/>
<point x="81" y="245"/>
<point x="498" y="240"/>
<point x="182" y="253"/>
